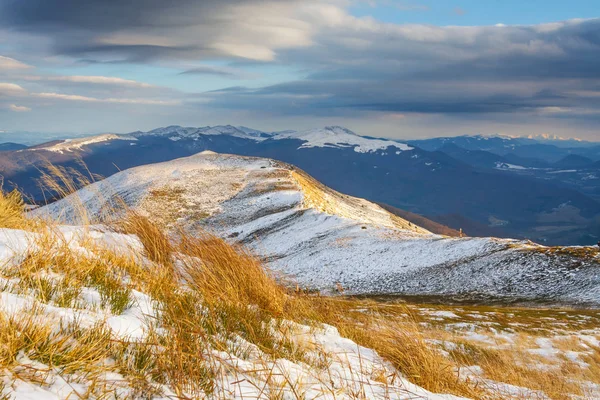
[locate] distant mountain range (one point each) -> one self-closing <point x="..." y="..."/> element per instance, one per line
<point x="508" y="187"/>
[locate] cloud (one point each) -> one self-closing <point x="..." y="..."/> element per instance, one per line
<point x="343" y="65"/>
<point x="459" y="11"/>
<point x="100" y="80"/>
<point x="86" y="99"/>
<point x="11" y="63"/>
<point x="399" y="5"/>
<point x="10" y="89"/>
<point x="139" y="30"/>
<point x="15" y="108"/>
<point x="225" y="72"/>
<point x="361" y="65"/>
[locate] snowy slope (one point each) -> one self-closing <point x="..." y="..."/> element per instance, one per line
<point x="329" y="136"/>
<point x="175" y="132"/>
<point x="325" y="239"/>
<point x="70" y="145"/>
<point x="339" y="137"/>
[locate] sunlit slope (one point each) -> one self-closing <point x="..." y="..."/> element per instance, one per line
<point x="327" y="240"/>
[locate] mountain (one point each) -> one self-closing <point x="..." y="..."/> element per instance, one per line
<point x="325" y="239"/>
<point x="493" y="144"/>
<point x="146" y="305"/>
<point x="475" y="158"/>
<point x="559" y="141"/>
<point x="11" y="146"/>
<point x="535" y="149"/>
<point x="573" y="161"/>
<point x="34" y="138"/>
<point x="429" y="183"/>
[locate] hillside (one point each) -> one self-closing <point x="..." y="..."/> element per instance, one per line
<point x="11" y="146"/>
<point x="89" y="312"/>
<point x="421" y="221"/>
<point x="123" y="310"/>
<point x="325" y="239"/>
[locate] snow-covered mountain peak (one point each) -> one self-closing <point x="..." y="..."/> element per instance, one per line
<point x="340" y="137"/>
<point x="176" y="132"/>
<point x="210" y="178"/>
<point x="70" y="145"/>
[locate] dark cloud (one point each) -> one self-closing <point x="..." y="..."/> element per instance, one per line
<point x="144" y="30"/>
<point x="225" y="72"/>
<point x="422" y="69"/>
<point x="100" y="15"/>
<point x="351" y="65"/>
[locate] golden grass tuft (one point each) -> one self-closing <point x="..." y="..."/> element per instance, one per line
<point x="518" y="367"/>
<point x="12" y="211"/>
<point x="225" y="273"/>
<point x="156" y="244"/>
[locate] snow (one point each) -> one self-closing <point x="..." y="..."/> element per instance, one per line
<point x="503" y="165"/>
<point x="330" y="136"/>
<point x="324" y="239"/>
<point x="70" y="145"/>
<point x="443" y="314"/>
<point x="338" y="137"/>
<point x="175" y="132"/>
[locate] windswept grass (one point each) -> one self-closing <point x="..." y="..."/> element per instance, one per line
<point x="227" y="274"/>
<point x="207" y="293"/>
<point x="12" y="211"/>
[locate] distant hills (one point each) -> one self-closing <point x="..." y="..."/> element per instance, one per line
<point x="507" y="187"/>
<point x="11" y="146"/>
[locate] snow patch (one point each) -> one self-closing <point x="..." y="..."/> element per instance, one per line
<point x="340" y="138"/>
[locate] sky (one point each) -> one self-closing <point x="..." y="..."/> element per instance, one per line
<point x="387" y="68"/>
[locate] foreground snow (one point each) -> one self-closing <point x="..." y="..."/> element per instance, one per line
<point x="348" y="370"/>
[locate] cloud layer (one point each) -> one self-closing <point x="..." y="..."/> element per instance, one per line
<point x="346" y="66"/>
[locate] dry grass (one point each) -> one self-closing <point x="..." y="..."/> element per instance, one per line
<point x="156" y="244"/>
<point x="224" y="273"/>
<point x="398" y="340"/>
<point x="207" y="292"/>
<point x="518" y="367"/>
<point x="12" y="211"/>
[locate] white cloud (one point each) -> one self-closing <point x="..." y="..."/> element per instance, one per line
<point x="16" y="108"/>
<point x="10" y="89"/>
<point x="102" y="80"/>
<point x="11" y="63"/>
<point x="72" y="97"/>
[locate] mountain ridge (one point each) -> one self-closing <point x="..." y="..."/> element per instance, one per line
<point x="323" y="238"/>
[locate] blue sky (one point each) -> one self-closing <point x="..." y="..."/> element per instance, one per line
<point x="392" y="68"/>
<point x="473" y="12"/>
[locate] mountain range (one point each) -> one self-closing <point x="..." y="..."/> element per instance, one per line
<point x="486" y="186"/>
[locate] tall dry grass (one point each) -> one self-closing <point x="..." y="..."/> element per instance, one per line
<point x="12" y="210"/>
